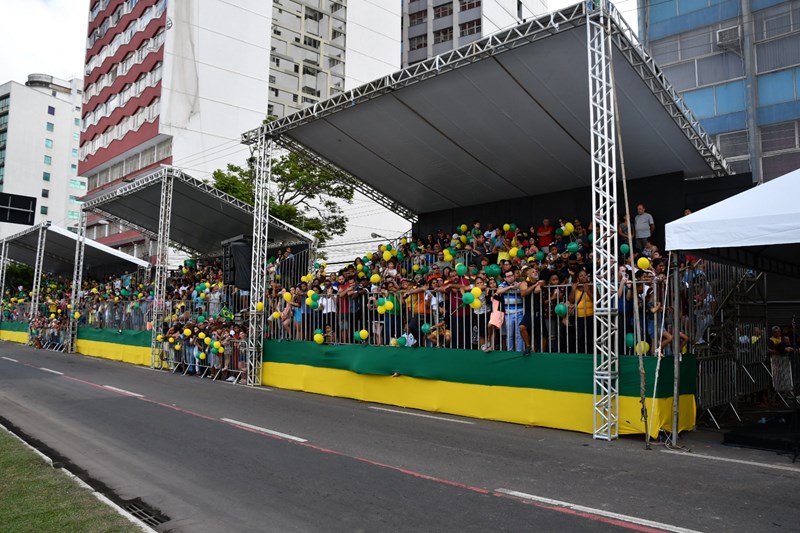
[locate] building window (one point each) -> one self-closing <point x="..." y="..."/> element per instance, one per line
<point x="77" y="122"/>
<point x="43" y="209"/>
<point x="469" y="28"/>
<point x="463" y="5"/>
<point x="73" y="199"/>
<point x="443" y="11"/>
<point x="48" y="143"/>
<point x="76" y="136"/>
<point x="74" y="215"/>
<point x="45" y="193"/>
<point x="74" y="152"/>
<point x="415" y="43"/>
<point x="46" y="176"/>
<point x="51" y="126"/>
<point x="76" y="184"/>
<point x="420" y="17"/>
<point x="442" y="36"/>
<point x="48" y="160"/>
<point x="308" y="41"/>
<point x="51" y="110"/>
<point x="276" y="61"/>
<point x="73" y="168"/>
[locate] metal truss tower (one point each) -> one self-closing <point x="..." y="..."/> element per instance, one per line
<point x="162" y="266"/>
<point x="3" y="265"/>
<point x="37" y="269"/>
<point x="77" y="280"/>
<point x="604" y="216"/>
<point x="258" y="276"/>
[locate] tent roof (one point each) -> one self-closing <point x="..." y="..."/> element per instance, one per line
<point x="758" y="228"/>
<point x="59" y="252"/>
<point x="503" y="117"/>
<point x="201" y="216"/>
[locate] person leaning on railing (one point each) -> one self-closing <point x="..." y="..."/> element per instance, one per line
<point x="581" y="302"/>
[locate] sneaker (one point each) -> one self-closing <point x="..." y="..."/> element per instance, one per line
<point x="527" y="351"/>
<point x="231" y="378"/>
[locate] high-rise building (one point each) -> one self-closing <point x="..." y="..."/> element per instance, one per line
<point x="433" y="27"/>
<point x="39" y="139"/>
<point x="737" y="65"/>
<point x="169" y="82"/>
<point x="321" y="48"/>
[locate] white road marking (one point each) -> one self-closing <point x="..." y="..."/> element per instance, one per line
<point x="263" y="430"/>
<point x="9" y="359"/>
<point x="51" y="371"/>
<point x="597" y="512"/>
<point x="123" y="391"/>
<point x="422" y="415"/>
<point x="739" y="461"/>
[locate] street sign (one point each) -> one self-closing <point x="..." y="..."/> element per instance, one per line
<point x="17" y="209"/>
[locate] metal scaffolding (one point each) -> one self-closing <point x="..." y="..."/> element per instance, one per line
<point x="604" y="217"/>
<point x="37" y="269"/>
<point x="258" y="276"/>
<point x="77" y="280"/>
<point x="162" y="266"/>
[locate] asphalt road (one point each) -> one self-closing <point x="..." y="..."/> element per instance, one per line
<point x="214" y="457"/>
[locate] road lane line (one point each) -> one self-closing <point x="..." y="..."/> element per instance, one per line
<point x="9" y="359"/>
<point x="641" y="524"/>
<point x="738" y="461"/>
<point x="263" y="430"/>
<point x="422" y="415"/>
<point x="51" y="371"/>
<point x="123" y="391"/>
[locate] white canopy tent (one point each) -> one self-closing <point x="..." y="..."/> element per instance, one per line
<point x="758" y="228"/>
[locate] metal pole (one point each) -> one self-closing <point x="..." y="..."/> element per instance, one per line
<point x="3" y="264"/>
<point x="751" y="91"/>
<point x="77" y="279"/>
<point x="37" y="269"/>
<point x="676" y="351"/>
<point x="162" y="265"/>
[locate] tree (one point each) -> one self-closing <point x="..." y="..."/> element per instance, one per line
<point x="301" y="194"/>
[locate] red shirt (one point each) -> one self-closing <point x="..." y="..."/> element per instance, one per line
<point x="547" y="238"/>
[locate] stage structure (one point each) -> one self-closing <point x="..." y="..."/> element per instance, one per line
<point x="182" y="212"/>
<point x="506" y="117"/>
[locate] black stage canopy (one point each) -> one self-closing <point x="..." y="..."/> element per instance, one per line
<point x="59" y="253"/>
<point x="201" y="216"/>
<point x="503" y="117"/>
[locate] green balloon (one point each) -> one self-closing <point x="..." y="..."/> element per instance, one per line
<point x="561" y="310"/>
<point x="573" y="247"/>
<point x="559" y="231"/>
<point x="400" y="256"/>
<point x="381" y="302"/>
<point x="315" y="296"/>
<point x="591" y="237"/>
<point x="426" y="328"/>
<point x="630" y="340"/>
<point x="388" y="247"/>
<point x="520" y="252"/>
<point x="356" y="336"/>
<point x="461" y="269"/>
<point x="512" y="227"/>
<point x="540" y="256"/>
<point x="316" y="265"/>
<point x="401" y="341"/>
<point x="414" y="247"/>
<point x="315" y="305"/>
<point x="468" y="298"/>
<point x="201" y="319"/>
<point x="625" y="249"/>
<point x="318" y="331"/>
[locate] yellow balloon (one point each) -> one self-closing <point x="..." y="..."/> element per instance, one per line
<point x="643" y="348"/>
<point x="187" y="332"/>
<point x="160" y="338"/>
<point x="463" y="238"/>
<point x="52" y="315"/>
<point x="359" y="267"/>
<point x="362" y="275"/>
<point x="76" y="315"/>
<point x="221" y="349"/>
<point x="363" y="334"/>
<point x="381" y="309"/>
<point x="476" y="304"/>
<point x="260" y="306"/>
<point x="403" y="241"/>
<point x="202" y="356"/>
<point x="287" y="297"/>
<point x="387" y="255"/>
<point x="415" y="268"/>
<point x="389" y="305"/>
<point x="276" y="315"/>
<point x="463" y="227"/>
<point x="201" y="335"/>
<point x="309" y="293"/>
<point x="207" y="341"/>
<point x="382" y="247"/>
<point x="309" y="301"/>
<point x="370" y="255"/>
<point x="513" y="251"/>
<point x="172" y="340"/>
<point x="177" y="347"/>
<point x="393" y="342"/>
<point x="217" y="345"/>
<point x="643" y="263"/>
<point x="319" y="338"/>
<point x="476" y="291"/>
<point x="69" y="306"/>
<point x="202" y="296"/>
<point x="375" y="278"/>
<point x="506" y="227"/>
<point x="568" y="228"/>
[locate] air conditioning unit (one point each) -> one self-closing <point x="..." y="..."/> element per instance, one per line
<point x="730" y="38"/>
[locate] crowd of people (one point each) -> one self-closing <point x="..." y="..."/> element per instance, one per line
<point x="487" y="287"/>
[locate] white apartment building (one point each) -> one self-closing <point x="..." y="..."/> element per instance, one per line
<point x="321" y="48"/>
<point x="433" y="27"/>
<point x="39" y="142"/>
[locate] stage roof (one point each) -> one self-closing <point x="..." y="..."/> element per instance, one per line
<point x="201" y="216"/>
<point x="503" y="117"/>
<point x="59" y="252"/>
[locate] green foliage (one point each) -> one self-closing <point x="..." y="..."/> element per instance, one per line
<point x="302" y="194"/>
<point x="18" y="274"/>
